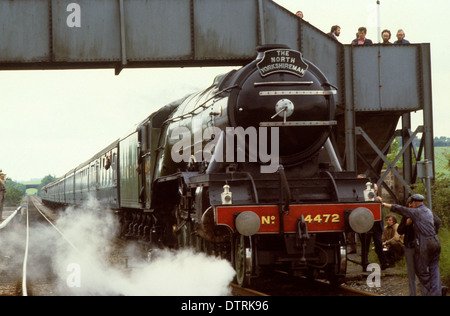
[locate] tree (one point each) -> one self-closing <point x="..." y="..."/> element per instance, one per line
<point x="393" y="152"/>
<point x="14" y="192"/>
<point x="441" y="141"/>
<point x="47" y="179"/>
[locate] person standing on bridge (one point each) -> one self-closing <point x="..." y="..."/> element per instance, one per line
<point x="401" y="38"/>
<point x="335" y="32"/>
<point x="361" y="38"/>
<point x="386" y="36"/>
<point x="2" y="193"/>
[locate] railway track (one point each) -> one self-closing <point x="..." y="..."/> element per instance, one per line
<point x="280" y="283"/>
<point x="26" y="256"/>
<point x="9" y="277"/>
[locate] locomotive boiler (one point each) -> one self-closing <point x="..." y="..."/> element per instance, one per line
<point x="245" y="169"/>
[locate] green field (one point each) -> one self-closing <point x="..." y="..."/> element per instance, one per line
<point x="441" y="160"/>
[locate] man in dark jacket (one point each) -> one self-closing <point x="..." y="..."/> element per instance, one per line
<point x="401" y="38"/>
<point x="407" y="230"/>
<point x="335" y="32"/>
<point x="362" y="40"/>
<point x="427" y="244"/>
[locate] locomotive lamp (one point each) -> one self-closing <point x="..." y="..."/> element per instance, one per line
<point x="360" y="220"/>
<point x="247" y="223"/>
<point x="227" y="196"/>
<point x="369" y="192"/>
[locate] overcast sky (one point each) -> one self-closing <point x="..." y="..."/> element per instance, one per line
<point x="51" y="121"/>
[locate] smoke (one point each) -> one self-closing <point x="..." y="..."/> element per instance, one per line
<point x="12" y="249"/>
<point x="87" y="269"/>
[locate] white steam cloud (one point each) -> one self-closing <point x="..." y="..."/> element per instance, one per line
<point x="87" y="270"/>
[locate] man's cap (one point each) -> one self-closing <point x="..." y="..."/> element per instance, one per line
<point x="417" y="197"/>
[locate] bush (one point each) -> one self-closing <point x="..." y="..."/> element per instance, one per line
<point x="440" y="197"/>
<point x="444" y="264"/>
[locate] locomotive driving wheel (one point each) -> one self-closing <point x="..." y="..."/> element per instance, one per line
<point x="243" y="259"/>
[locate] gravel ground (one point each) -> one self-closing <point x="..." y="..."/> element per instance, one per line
<point x="393" y="281"/>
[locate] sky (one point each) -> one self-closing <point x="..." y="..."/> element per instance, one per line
<point x="52" y="121"/>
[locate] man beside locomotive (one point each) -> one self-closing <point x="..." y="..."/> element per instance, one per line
<point x="427" y="243"/>
<point x="376" y="234"/>
<point x="406" y="229"/>
<point x="392" y="240"/>
<point x="2" y="193"/>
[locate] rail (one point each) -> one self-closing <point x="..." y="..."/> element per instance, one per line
<point x="10" y="218"/>
<point x="25" y="261"/>
<point x="25" y="258"/>
<point x="56" y="228"/>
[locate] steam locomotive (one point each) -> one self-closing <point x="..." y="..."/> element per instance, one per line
<point x="245" y="169"/>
